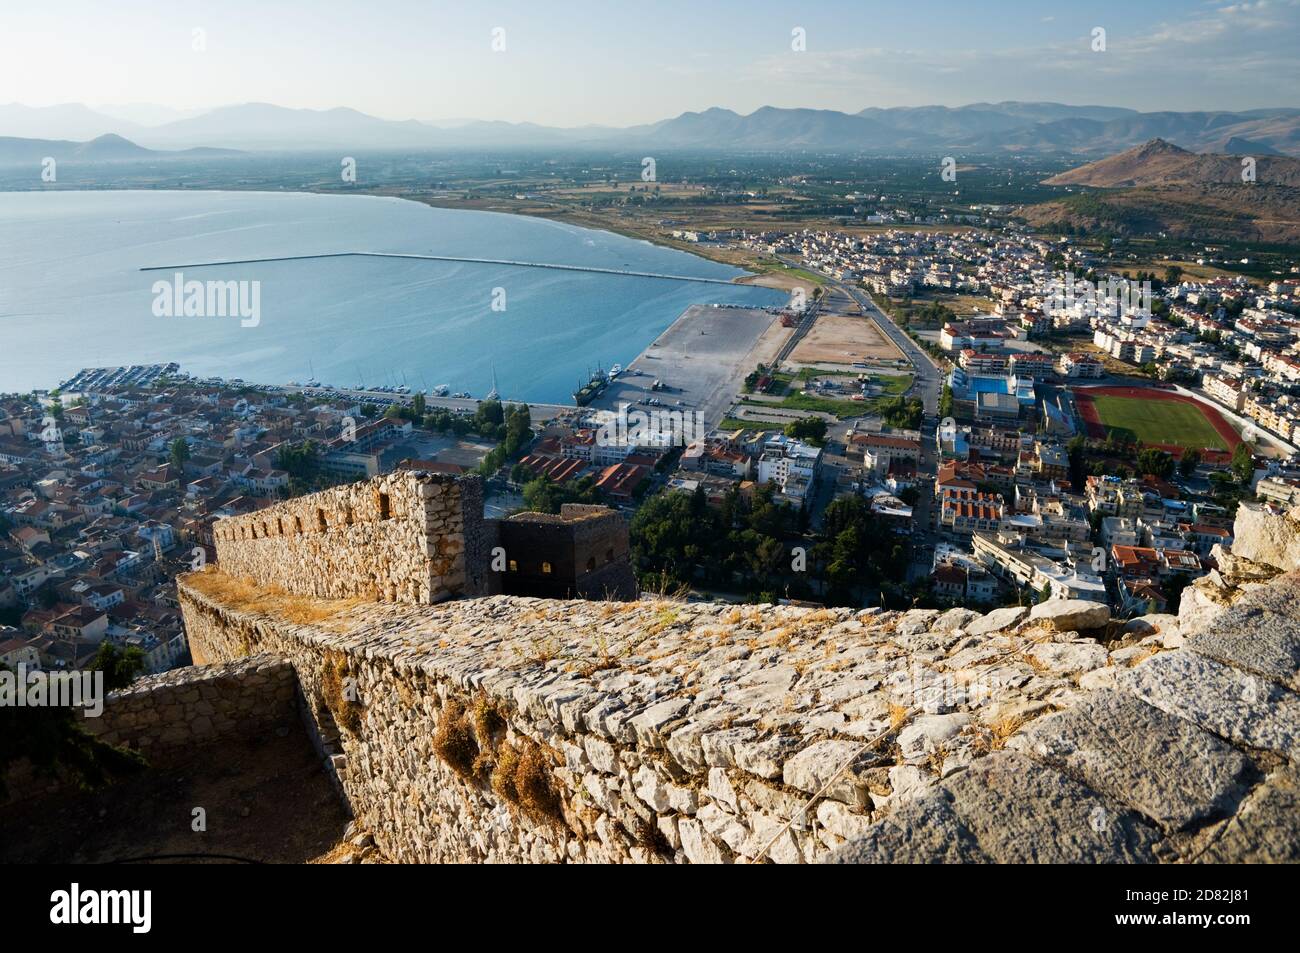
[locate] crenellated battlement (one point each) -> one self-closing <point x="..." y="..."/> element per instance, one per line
<point x="406" y="537"/>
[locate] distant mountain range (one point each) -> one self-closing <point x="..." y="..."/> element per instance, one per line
<point x="106" y="148"/>
<point x="977" y="128"/>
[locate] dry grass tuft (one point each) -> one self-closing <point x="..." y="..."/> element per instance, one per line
<point x="897" y="716"/>
<point x="243" y="595"/>
<point x="523" y="777"/>
<point x="994" y="737"/>
<point x="454" y="741"/>
<point x="650" y="838"/>
<point x="1033" y="662"/>
<point x="339" y="693"/>
<point x="489" y="723"/>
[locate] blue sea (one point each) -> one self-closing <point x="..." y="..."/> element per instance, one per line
<point x="72" y="294"/>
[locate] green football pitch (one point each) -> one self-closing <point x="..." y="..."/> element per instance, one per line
<point x="1158" y="421"/>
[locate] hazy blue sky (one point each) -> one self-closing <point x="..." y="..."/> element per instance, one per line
<point x="616" y="62"/>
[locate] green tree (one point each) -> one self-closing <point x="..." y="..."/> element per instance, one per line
<point x="121" y="667"/>
<point x="1190" y="460"/>
<point x="902" y="412"/>
<point x="542" y="495"/>
<point x="488" y="417"/>
<point x="179" y="452"/>
<point x="811" y="429"/>
<point x="302" y="462"/>
<point x="1155" y="462"/>
<point x="1243" y="462"/>
<point x="1075" y="452"/>
<point x="54" y="741"/>
<point x="665" y="533"/>
<point x="844" y="571"/>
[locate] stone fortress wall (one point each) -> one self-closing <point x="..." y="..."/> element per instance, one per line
<point x="421" y="538"/>
<point x="165" y="717"/>
<point x="519" y="729"/>
<point x="405" y="537"/>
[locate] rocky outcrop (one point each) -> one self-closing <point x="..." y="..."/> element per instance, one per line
<point x="1188" y="750"/>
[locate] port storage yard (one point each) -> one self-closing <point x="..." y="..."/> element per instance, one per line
<point x="701" y="359"/>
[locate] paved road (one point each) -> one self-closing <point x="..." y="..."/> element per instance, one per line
<point x="806" y="321"/>
<point x="929" y="379"/>
<point x="928" y="386"/>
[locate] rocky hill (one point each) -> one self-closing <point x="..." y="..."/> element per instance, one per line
<point x="1159" y="163"/>
<point x="105" y="148"/>
<point x="1161" y="188"/>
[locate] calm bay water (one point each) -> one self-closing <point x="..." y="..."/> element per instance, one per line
<point x="72" y="294"/>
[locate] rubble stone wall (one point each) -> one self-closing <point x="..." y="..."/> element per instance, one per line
<point x="512" y="729"/>
<point x="403" y="537"/>
<point x="166" y="716"/>
<point x="173" y="712"/>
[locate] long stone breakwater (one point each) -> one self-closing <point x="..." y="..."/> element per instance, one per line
<point x="449" y="258"/>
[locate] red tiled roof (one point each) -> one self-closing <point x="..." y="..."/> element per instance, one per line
<point x="621" y="478"/>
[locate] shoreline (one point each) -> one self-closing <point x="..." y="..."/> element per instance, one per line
<point x="742" y="277"/>
<point x="699" y="372"/>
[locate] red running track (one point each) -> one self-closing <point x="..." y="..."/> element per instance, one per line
<point x="1097" y="430"/>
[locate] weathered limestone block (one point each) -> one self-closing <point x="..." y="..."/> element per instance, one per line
<point x="698" y="846"/>
<point x="928" y="734"/>
<point x="1069" y="658"/>
<point x="925" y="831"/>
<point x="1242" y="708"/>
<point x="1020" y="812"/>
<point x="1259" y="634"/>
<point x="1064" y="615"/>
<point x="813" y="767"/>
<point x="997" y="620"/>
<point x="1264" y="535"/>
<point x="1263" y="830"/>
<point x="1162" y="766"/>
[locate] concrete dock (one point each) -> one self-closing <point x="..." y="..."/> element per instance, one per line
<point x="702" y="360"/>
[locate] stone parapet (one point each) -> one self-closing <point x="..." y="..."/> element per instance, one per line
<point x="530" y="730"/>
<point x="397" y="538"/>
<point x="165" y="717"/>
